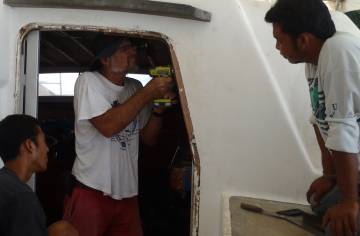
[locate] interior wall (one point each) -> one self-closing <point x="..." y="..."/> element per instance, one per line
<point x="248" y="106"/>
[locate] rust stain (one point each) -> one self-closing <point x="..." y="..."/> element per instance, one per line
<point x="190" y="132"/>
<point x="195" y="208"/>
<point x="110" y="30"/>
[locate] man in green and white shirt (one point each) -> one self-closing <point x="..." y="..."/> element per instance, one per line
<point x="305" y="33"/>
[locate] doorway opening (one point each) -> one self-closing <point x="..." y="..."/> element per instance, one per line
<point x="168" y="172"/>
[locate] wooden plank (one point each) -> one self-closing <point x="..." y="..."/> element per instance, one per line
<point x="139" y="6"/>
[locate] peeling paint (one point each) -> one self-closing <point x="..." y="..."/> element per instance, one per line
<point x="195" y="204"/>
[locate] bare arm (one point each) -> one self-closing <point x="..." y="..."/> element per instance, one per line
<point x="346" y="165"/>
<point x="117" y="118"/>
<point x="149" y="134"/>
<point x="326" y="159"/>
<point x="342" y="217"/>
<point x="322" y="185"/>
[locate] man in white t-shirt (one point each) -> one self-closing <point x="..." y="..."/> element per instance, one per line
<point x="111" y="113"/>
<point x="305" y="32"/>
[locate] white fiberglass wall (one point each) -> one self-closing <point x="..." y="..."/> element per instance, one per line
<point x="249" y="107"/>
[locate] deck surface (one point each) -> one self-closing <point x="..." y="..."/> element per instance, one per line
<point x="245" y="223"/>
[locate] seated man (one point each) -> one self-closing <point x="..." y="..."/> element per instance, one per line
<point x="24" y="151"/>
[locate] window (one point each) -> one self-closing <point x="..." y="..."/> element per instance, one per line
<point x="57" y="84"/>
<point x="62" y="84"/>
<point x="143" y="78"/>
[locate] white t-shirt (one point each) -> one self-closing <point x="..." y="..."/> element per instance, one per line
<point x="335" y="92"/>
<point x="106" y="164"/>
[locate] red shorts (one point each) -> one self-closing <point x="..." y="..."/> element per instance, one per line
<point x="94" y="214"/>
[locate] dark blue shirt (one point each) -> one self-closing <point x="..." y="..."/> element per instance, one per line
<point x="20" y="210"/>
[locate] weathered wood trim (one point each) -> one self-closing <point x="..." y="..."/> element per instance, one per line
<point x="135" y="6"/>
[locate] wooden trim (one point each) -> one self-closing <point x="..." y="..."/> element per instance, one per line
<point x="138" y="6"/>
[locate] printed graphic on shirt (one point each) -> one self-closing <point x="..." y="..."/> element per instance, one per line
<point x="333" y="109"/>
<point x="125" y="137"/>
<point x="318" y="104"/>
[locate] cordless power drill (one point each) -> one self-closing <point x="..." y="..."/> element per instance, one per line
<point x="162" y="71"/>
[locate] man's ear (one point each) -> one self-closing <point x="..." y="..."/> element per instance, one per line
<point x="303" y="41"/>
<point x="29" y="145"/>
<point x="104" y="61"/>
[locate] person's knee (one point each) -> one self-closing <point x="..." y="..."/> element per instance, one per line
<point x="62" y="228"/>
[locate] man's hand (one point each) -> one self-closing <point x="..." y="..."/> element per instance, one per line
<point x="159" y="87"/>
<point x="320" y="187"/>
<point x="62" y="228"/>
<point x="342" y="218"/>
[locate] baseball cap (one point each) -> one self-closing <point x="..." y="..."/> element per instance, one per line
<point x="106" y="46"/>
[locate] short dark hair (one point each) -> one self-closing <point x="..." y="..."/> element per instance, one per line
<point x="300" y="16"/>
<point x="14" y="130"/>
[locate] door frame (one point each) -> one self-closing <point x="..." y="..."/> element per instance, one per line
<point x="22" y="102"/>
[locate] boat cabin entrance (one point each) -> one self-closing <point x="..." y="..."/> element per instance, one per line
<point x="51" y="60"/>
